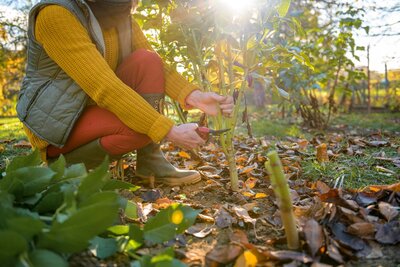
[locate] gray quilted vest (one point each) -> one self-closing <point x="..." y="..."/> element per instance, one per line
<point x="50" y="102"/>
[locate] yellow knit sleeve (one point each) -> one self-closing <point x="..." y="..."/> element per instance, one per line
<point x="176" y="86"/>
<point x="68" y="43"/>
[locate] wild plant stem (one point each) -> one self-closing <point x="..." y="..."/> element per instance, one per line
<point x="230" y="155"/>
<point x="281" y="189"/>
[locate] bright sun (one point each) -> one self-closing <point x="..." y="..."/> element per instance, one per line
<point x="237" y="6"/>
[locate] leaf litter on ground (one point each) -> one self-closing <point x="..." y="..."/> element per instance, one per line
<point x="337" y="224"/>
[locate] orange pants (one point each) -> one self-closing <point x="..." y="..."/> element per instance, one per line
<point x="143" y="72"/>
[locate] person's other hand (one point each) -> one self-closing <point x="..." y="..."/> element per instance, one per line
<point x="211" y="103"/>
<point x="185" y="136"/>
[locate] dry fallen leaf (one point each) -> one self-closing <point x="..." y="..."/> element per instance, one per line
<point x="377" y="143"/>
<point x="227" y="253"/>
<point x="388" y="210"/>
<point x="251" y="182"/>
<point x="163" y="203"/>
<point x="362" y="229"/>
<point x="199" y="230"/>
<point x="354" y="242"/>
<point x="243" y="214"/>
<point x="260" y="195"/>
<point x="314" y="236"/>
<point x="223" y="219"/>
<point x="247" y="259"/>
<point x="388" y="233"/>
<point x="322" y="153"/>
<point x="283" y="255"/>
<point x="184" y="154"/>
<point x="22" y="144"/>
<point x="248" y="194"/>
<point x="303" y="143"/>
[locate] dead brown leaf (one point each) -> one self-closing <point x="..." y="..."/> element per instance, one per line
<point x="377" y="143"/>
<point x="251" y="182"/>
<point x="163" y="203"/>
<point x="227" y="253"/>
<point x="242" y="214"/>
<point x="388" y="233"/>
<point x="199" y="230"/>
<point x="362" y="229"/>
<point x="223" y="219"/>
<point x="333" y="252"/>
<point x="388" y="211"/>
<point x="314" y="236"/>
<point x="322" y="153"/>
<point x="22" y="144"/>
<point x="283" y="255"/>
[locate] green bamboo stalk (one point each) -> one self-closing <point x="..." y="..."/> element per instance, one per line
<point x="281" y="189"/>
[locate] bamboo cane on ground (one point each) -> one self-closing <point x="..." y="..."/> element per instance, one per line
<point x="281" y="189"/>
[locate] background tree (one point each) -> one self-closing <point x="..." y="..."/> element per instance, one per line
<point x="13" y="41"/>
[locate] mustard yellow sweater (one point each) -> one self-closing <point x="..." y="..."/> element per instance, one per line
<point x="68" y="43"/>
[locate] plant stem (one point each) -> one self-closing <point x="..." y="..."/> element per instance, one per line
<point x="230" y="155"/>
<point x="281" y="189"/>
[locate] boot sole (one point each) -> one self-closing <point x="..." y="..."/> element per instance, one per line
<point x="173" y="181"/>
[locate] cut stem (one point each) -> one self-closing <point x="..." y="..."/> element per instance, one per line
<point x="230" y="155"/>
<point x="281" y="189"/>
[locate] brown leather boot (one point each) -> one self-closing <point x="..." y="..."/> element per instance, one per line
<point x="152" y="163"/>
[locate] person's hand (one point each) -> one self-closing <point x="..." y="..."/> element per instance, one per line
<point x="185" y="136"/>
<point x="211" y="103"/>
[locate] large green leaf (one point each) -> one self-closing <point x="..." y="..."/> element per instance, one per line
<point x="12" y="186"/>
<point x="25" y="226"/>
<point x="50" y="202"/>
<point x="118" y="229"/>
<point x="75" y="171"/>
<point x="103" y="247"/>
<point x="282" y="92"/>
<point x="18" y="162"/>
<point x="283" y="8"/>
<point x="166" y="259"/>
<point x="11" y="245"/>
<point x="169" y="222"/>
<point x="131" y="210"/>
<point x="114" y="184"/>
<point x="94" y="181"/>
<point x="58" y="167"/>
<point x="163" y="259"/>
<point x="100" y="198"/>
<point x="73" y="234"/>
<point x="33" y="179"/>
<point x="136" y="235"/>
<point x="46" y="258"/>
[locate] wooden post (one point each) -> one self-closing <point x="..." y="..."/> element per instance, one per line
<point x="369" y="83"/>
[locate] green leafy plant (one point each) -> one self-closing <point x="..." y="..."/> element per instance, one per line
<point x="48" y="213"/>
<point x="220" y="51"/>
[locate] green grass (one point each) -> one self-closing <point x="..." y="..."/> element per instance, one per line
<point x="11" y="132"/>
<point x="357" y="171"/>
<point x="11" y="128"/>
<point x="373" y="121"/>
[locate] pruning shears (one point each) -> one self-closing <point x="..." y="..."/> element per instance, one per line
<point x="205" y="132"/>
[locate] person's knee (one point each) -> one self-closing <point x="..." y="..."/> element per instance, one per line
<point x="122" y="144"/>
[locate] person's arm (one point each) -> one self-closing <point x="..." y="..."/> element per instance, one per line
<point x="176" y="86"/>
<point x="68" y="43"/>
